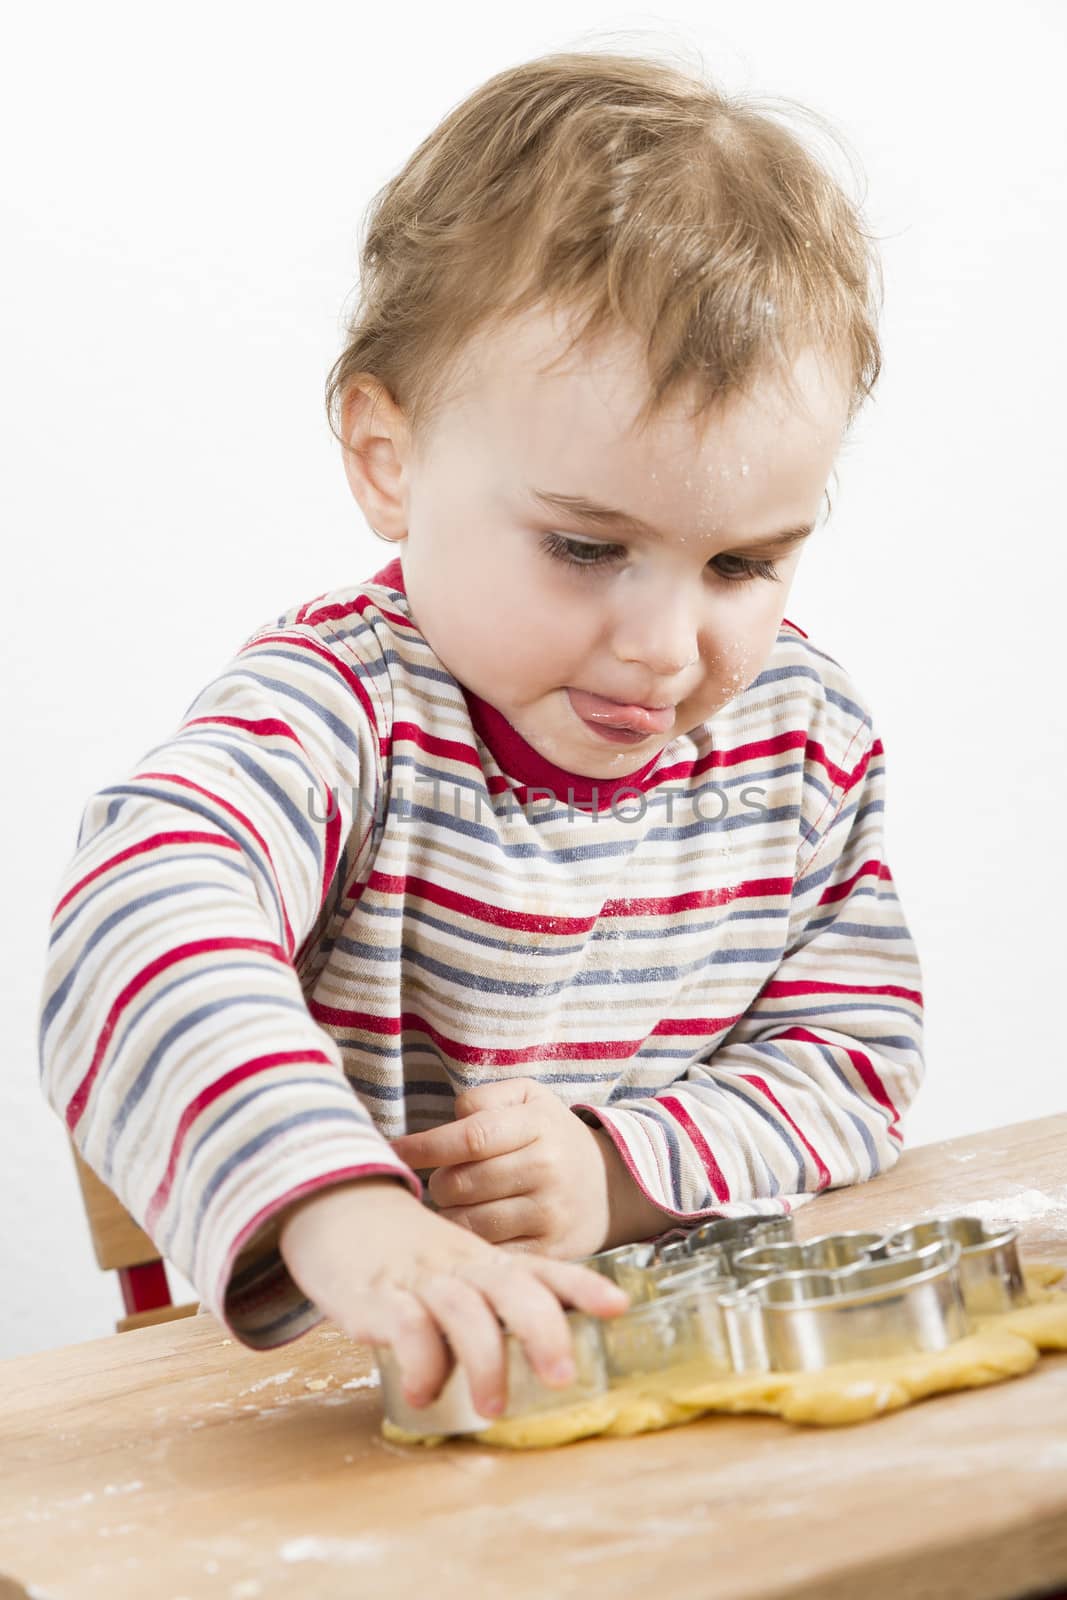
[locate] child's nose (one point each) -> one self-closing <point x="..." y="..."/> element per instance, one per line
<point x="660" y="634"/>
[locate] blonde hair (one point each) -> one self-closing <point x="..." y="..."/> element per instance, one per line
<point x="631" y="192"/>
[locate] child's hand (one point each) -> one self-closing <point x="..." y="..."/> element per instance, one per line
<point x="517" y="1167"/>
<point x="388" y="1271"/>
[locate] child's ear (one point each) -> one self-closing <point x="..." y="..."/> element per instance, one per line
<point x="376" y="449"/>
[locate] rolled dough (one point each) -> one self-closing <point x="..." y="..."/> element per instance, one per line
<point x="1002" y="1346"/>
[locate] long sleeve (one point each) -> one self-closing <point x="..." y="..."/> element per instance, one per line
<point x="175" y="1041"/>
<point x="806" y="1090"/>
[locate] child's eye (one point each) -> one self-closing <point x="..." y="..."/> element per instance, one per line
<point x="577" y="553"/>
<point x="742" y="569"/>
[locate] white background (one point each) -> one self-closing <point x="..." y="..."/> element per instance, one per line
<point x="180" y="216"/>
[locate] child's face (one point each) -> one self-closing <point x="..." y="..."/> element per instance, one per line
<point x="658" y="622"/>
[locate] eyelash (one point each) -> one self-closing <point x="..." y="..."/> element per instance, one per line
<point x="561" y="549"/>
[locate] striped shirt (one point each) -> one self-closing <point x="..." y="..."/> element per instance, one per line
<point x="347" y="889"/>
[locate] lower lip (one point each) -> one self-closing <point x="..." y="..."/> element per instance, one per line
<point x="617" y="735"/>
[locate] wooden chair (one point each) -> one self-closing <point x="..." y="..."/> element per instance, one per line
<point x="122" y="1246"/>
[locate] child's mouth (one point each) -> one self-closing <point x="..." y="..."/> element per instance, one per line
<point x="620" y="724"/>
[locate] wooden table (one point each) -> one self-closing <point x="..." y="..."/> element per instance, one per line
<point x="173" y="1462"/>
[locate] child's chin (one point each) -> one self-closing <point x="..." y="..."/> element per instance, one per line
<point x="615" y="762"/>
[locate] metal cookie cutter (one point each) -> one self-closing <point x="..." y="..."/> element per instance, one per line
<point x="454" y="1412"/>
<point x="685" y="1323"/>
<point x="826" y="1253"/>
<point x="733" y="1234"/>
<point x="804" y="1321"/>
<point x="740" y="1295"/>
<point x="627" y="1265"/>
<point x="640" y="1268"/>
<point x="991" y="1276"/>
<point x="662" y="1275"/>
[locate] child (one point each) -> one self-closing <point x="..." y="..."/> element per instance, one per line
<point x="550" y="857"/>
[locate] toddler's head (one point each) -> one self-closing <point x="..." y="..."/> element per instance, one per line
<point x="613" y="327"/>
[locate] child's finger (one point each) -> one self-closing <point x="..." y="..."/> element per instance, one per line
<point x="475" y="1183"/>
<point x="531" y="1312"/>
<point x="580" y="1286"/>
<point x="393" y="1316"/>
<point x="498" y="1221"/>
<point x="473" y="1333"/>
<point x="492" y="1132"/>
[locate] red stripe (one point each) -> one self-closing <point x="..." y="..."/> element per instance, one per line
<point x="862" y="1063"/>
<point x="814" y="751"/>
<point x="720" y="1187"/>
<point x="820" y="1165"/>
<point x="450" y="749"/>
<point x="668" y="905"/>
<point x="875" y="748"/>
<point x="477" y="1055"/>
<point x="247" y="1069"/>
<point x="342" y="609"/>
<point x="306" y="607"/>
<point x="781" y="988"/>
<point x="252" y="724"/>
<point x="151" y="843"/>
<point x="169" y="958"/>
<point x="331" y="848"/>
<point x="841" y="891"/>
<point x="683" y="1026"/>
<point x="187" y="783"/>
<point x="796" y="629"/>
<point x="499" y="916"/>
<point x="755" y="750"/>
<point x="335" y="613"/>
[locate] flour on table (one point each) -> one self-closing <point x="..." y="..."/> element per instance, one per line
<point x="332" y="1550"/>
<point x="275" y="1377"/>
<point x="1026" y="1206"/>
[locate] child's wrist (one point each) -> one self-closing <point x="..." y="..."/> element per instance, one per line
<point x="631" y="1214"/>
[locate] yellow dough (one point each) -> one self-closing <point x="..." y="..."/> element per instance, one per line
<point x="1002" y="1346"/>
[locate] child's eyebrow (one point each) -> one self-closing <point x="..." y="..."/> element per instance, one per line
<point x="598" y="516"/>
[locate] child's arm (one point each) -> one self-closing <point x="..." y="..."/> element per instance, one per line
<point x="807" y="1089"/>
<point x="175" y="1041"/>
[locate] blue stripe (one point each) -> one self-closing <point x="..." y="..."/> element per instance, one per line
<point x="110" y="879"/>
<point x="857" y="930"/>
